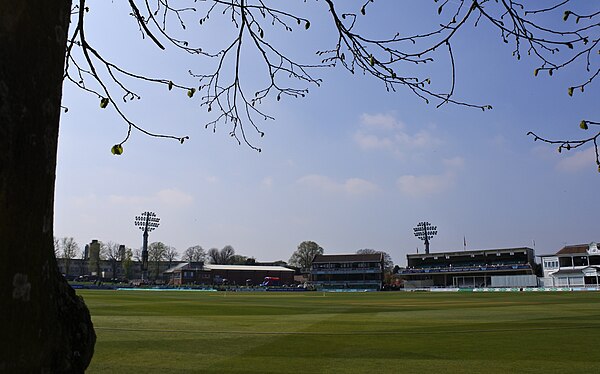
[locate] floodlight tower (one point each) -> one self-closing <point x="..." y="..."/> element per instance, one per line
<point x="425" y="231"/>
<point x="146" y="222"/>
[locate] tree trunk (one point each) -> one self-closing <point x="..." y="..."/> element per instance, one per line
<point x="44" y="325"/>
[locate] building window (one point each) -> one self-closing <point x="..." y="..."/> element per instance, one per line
<point x="565" y="262"/>
<point x="580" y="261"/>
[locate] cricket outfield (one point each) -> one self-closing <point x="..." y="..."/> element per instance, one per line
<point x="315" y="332"/>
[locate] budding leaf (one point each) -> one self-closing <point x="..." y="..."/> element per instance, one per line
<point x="570" y="91"/>
<point x="104" y="102"/>
<point x="566" y="15"/>
<point x="307" y="25"/>
<point x="583" y="125"/>
<point x="191" y="92"/>
<point x="170" y="85"/>
<point x="535" y="72"/>
<point x="371" y="60"/>
<point x="116" y="149"/>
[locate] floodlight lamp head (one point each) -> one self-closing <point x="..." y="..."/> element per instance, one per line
<point x="147" y="221"/>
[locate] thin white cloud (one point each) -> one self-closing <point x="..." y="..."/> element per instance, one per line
<point x="128" y="200"/>
<point x="369" y="141"/>
<point x="381" y="121"/>
<point x="386" y="132"/>
<point x="173" y="196"/>
<point x="544" y="152"/>
<point x="357" y="186"/>
<point x="169" y="197"/>
<point x="267" y="182"/>
<point x="577" y="161"/>
<point x="83" y="201"/>
<point x="427" y="185"/>
<point x="349" y="187"/>
<point x="212" y="179"/>
<point x="454" y="163"/>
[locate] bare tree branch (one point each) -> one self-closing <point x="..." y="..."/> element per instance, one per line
<point x="388" y="59"/>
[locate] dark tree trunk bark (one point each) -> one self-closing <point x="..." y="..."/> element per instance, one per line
<point x="44" y="325"/>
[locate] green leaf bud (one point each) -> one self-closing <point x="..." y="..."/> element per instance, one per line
<point x="117" y="149"/>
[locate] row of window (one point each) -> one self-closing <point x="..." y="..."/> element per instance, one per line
<point x="554" y="263"/>
<point x="345" y="277"/>
<point x="348" y="265"/>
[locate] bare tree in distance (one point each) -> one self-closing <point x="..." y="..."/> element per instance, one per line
<point x="227" y="255"/>
<point x="224" y="256"/>
<point x="304" y="255"/>
<point x="36" y="298"/>
<point x="171" y="254"/>
<point x="111" y="252"/>
<point x="69" y="249"/>
<point x="56" y="247"/>
<point x="194" y="254"/>
<point x="137" y="254"/>
<point x="156" y="253"/>
<point x="213" y="256"/>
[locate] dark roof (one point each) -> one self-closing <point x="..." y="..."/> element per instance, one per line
<point x="371" y="257"/>
<point x="573" y="249"/>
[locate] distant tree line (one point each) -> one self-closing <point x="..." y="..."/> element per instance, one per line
<point x="158" y="252"/>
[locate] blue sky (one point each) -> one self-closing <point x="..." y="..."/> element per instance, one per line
<point x="350" y="166"/>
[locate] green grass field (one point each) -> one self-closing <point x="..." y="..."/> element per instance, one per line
<point x="390" y="332"/>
